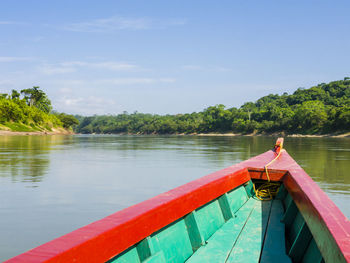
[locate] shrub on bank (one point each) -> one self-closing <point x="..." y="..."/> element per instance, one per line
<point x="30" y="113"/>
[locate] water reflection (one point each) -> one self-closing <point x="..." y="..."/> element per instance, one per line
<point x="27" y="158"/>
<point x="50" y="185"/>
<point x="325" y="159"/>
<point x="24" y="158"/>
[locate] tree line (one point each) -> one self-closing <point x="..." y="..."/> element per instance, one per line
<point x="31" y="110"/>
<point x="321" y="109"/>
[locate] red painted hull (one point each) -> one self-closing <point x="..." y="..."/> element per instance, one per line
<point x="104" y="239"/>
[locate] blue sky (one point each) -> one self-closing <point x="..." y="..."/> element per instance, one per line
<point x="104" y="57"/>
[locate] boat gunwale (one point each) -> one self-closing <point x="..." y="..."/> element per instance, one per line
<point x="324" y="219"/>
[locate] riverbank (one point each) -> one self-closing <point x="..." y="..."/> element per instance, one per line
<point x="334" y="135"/>
<point x="61" y="131"/>
<point x="57" y="131"/>
<point x="342" y="135"/>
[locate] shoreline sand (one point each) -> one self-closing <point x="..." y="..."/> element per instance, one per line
<point x="65" y="132"/>
<point x="342" y="135"/>
<point x="54" y="132"/>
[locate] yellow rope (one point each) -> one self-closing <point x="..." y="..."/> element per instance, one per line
<point x="268" y="190"/>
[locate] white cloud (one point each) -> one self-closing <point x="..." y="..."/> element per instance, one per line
<point x="167" y="80"/>
<point x="71" y="101"/>
<point x="221" y="69"/>
<point x="109" y="24"/>
<point x="73" y="66"/>
<point x="93" y="89"/>
<point x="15" y="59"/>
<point x="110" y="65"/>
<point x="116" y="23"/>
<point x="206" y="68"/>
<point x="52" y="69"/>
<point x="191" y="67"/>
<point x="85" y="105"/>
<point x="65" y="90"/>
<point x="68" y="85"/>
<point x="6" y="82"/>
<point x="36" y="39"/>
<point x="176" y="22"/>
<point x="10" y="23"/>
<point x="134" y="81"/>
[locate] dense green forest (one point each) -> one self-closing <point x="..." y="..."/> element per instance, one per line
<point x="30" y="110"/>
<point x="322" y="109"/>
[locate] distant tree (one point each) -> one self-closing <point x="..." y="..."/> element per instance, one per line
<point x="320" y="109"/>
<point x="342" y="120"/>
<point x="249" y="107"/>
<point x="67" y="120"/>
<point x="15" y="94"/>
<point x="216" y="118"/>
<point x="38" y="98"/>
<point x="311" y="115"/>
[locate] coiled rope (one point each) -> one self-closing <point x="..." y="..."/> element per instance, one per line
<point x="267" y="191"/>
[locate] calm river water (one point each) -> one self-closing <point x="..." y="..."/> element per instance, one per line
<point x="51" y="185"/>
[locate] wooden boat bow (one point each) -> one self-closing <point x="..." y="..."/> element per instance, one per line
<point x="107" y="238"/>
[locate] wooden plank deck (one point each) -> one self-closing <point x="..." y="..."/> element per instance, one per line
<point x="274" y="249"/>
<point x="254" y="234"/>
<point x="219" y="246"/>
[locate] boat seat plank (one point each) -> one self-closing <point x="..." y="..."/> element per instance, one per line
<point x="251" y="239"/>
<point x="237" y="198"/>
<point x="209" y="219"/>
<point x="299" y="246"/>
<point x="312" y="254"/>
<point x="291" y="211"/>
<point x="274" y="250"/>
<point x="173" y="241"/>
<point x="250" y="189"/>
<point x="220" y="244"/>
<point x="295" y="228"/>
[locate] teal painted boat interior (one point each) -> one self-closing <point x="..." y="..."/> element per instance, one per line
<point x="236" y="227"/>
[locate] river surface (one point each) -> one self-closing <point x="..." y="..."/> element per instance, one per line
<point x="51" y="185"/>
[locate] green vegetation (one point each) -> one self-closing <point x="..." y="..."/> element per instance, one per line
<point x="30" y="113"/>
<point x="67" y="120"/>
<point x="322" y="109"/>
